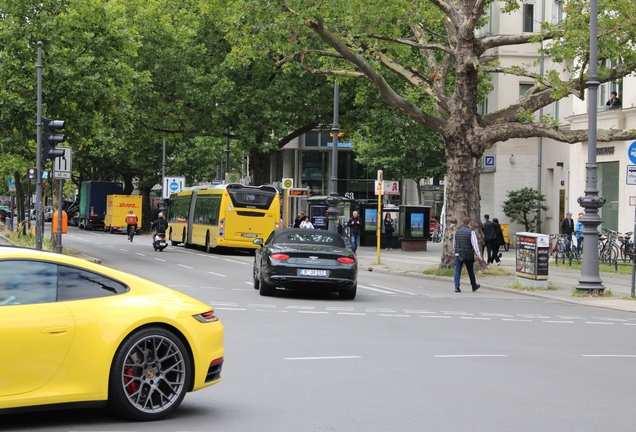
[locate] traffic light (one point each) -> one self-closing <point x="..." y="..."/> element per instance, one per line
<point x="52" y="138"/>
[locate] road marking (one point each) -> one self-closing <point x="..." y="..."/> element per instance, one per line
<point x="374" y="289"/>
<point x="379" y="310"/>
<point x="223" y="304"/>
<point x="226" y="308"/>
<point x="393" y="315"/>
<point x="241" y="289"/>
<point x="475" y="318"/>
<point x="455" y="313"/>
<point x="97" y="243"/>
<point x="123" y="250"/>
<point x="595" y="322"/>
<point x="269" y="310"/>
<point x="610" y="355"/>
<point x="347" y="309"/>
<point x="185" y="266"/>
<point x="350" y="313"/>
<point x="392" y="289"/>
<point x="249" y="283"/>
<point x="300" y="307"/>
<point x="216" y="274"/>
<point x="110" y="246"/>
<point x="568" y="317"/>
<point x="629" y="324"/>
<point x="515" y="320"/>
<point x="159" y="259"/>
<point x="495" y="314"/>
<point x="208" y="255"/>
<point x="416" y="311"/>
<point x="610" y="319"/>
<point x="261" y="305"/>
<point x="207" y="287"/>
<point x="435" y="316"/>
<point x="313" y="312"/>
<point x="138" y="253"/>
<point x="179" y="286"/>
<point x="323" y="358"/>
<point x="559" y="322"/>
<point x="533" y="316"/>
<point x="237" y="262"/>
<point x="469" y="355"/>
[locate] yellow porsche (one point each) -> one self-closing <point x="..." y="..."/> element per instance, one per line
<point x="75" y="332"/>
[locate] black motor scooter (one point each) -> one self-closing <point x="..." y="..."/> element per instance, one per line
<point x="160" y="242"/>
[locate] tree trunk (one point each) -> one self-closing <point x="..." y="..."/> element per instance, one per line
<point x="257" y="163"/>
<point x="146" y="214"/>
<point x="462" y="194"/>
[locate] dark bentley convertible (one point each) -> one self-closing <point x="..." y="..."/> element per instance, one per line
<point x="296" y="258"/>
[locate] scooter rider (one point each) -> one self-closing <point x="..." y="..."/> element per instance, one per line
<point x="159" y="227"/>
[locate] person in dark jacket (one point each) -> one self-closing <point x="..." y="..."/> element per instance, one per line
<point x="299" y="219"/>
<point x="355" y="228"/>
<point x="388" y="230"/>
<point x="497" y="242"/>
<point x="464" y="240"/>
<point x="489" y="235"/>
<point x="567" y="228"/>
<point x="159" y="226"/>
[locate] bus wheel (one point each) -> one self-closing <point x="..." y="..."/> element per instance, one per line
<point x="207" y="243"/>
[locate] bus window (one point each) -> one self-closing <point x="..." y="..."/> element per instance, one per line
<point x="179" y="209"/>
<point x="206" y="209"/>
<point x="260" y="198"/>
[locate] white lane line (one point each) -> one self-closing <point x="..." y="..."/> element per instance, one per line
<point x="415" y="311"/>
<point x="207" y="287"/>
<point x="97" y="243"/>
<point x="595" y="322"/>
<point x="222" y="304"/>
<point x="262" y="305"/>
<point x="346" y="309"/>
<point x="515" y="320"/>
<point x="457" y="313"/>
<point x="435" y="316"/>
<point x="494" y="314"/>
<point x="559" y="322"/>
<point x="227" y="308"/>
<point x="269" y="310"/>
<point x="313" y="312"/>
<point x="379" y="310"/>
<point x="159" y="259"/>
<point x="179" y="286"/>
<point x="138" y="253"/>
<point x="375" y="289"/>
<point x="610" y="319"/>
<point x="110" y="246"/>
<point x="300" y="307"/>
<point x="629" y="324"/>
<point x="241" y="289"/>
<point x="393" y="315"/>
<point x="475" y="318"/>
<point x="469" y="355"/>
<point x="125" y="250"/>
<point x="392" y="289"/>
<point x="610" y="355"/>
<point x="533" y="316"/>
<point x="237" y="262"/>
<point x="217" y="274"/>
<point x="249" y="283"/>
<point x="568" y="317"/>
<point x="208" y="255"/>
<point x="323" y="358"/>
<point x="350" y="313"/>
<point x="185" y="266"/>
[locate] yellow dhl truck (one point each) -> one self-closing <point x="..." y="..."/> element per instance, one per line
<point x="117" y="208"/>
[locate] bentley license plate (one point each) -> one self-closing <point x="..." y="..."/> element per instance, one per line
<point x="248" y="235"/>
<point x="311" y="272"/>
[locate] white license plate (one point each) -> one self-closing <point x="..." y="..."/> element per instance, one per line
<point x="310" y="272"/>
<point x="249" y="235"/>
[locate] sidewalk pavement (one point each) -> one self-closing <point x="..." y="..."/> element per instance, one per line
<point x="562" y="280"/>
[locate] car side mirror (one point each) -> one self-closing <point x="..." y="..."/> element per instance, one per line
<point x="258" y="241"/>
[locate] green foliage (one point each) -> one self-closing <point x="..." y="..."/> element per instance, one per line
<point x="522" y="205"/>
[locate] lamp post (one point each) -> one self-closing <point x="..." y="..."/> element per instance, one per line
<point x="334" y="199"/>
<point x="590" y="279"/>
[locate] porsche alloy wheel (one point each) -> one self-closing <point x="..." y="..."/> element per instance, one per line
<point x="150" y="375"/>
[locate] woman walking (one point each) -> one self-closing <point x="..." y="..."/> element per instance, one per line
<point x="497" y="242"/>
<point x="388" y="230"/>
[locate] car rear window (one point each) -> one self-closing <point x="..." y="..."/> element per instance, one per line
<point x="313" y="237"/>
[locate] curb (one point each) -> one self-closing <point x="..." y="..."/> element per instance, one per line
<point x="503" y="289"/>
<point x="82" y="256"/>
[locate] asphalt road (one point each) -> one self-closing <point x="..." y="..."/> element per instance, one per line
<point x="406" y="355"/>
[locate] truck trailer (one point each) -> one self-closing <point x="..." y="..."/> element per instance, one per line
<point x="92" y="209"/>
<point x="117" y="208"/>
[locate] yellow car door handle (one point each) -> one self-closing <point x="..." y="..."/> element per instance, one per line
<point x="55" y="330"/>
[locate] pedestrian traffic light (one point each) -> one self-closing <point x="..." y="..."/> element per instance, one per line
<point x="52" y="138"/>
<point x="32" y="173"/>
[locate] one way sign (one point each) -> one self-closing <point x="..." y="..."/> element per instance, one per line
<point x="62" y="166"/>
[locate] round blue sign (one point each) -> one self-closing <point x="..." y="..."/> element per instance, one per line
<point x="11" y="181"/>
<point x="632" y="152"/>
<point x="174" y="186"/>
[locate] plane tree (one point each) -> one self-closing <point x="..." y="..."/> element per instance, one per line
<point x="433" y="49"/>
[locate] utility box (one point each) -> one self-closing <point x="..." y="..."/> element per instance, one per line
<point x="533" y="253"/>
<point x="117" y="208"/>
<point x="55" y="219"/>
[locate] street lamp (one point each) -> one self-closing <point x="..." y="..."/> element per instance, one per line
<point x="590" y="279"/>
<point x="334" y="199"/>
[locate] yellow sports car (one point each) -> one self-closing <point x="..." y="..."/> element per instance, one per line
<point x="72" y="331"/>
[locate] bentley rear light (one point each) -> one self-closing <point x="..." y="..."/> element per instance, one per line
<point x="206" y="317"/>
<point x="279" y="257"/>
<point x="346" y="260"/>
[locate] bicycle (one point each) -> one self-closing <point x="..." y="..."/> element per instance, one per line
<point x="608" y="247"/>
<point x="131" y="233"/>
<point x="563" y="249"/>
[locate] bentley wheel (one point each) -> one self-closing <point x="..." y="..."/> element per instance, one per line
<point x="348" y="294"/>
<point x="150" y="375"/>
<point x="266" y="289"/>
<point x="257" y="283"/>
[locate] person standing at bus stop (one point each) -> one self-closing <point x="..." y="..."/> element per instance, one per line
<point x="131" y="222"/>
<point x="355" y="227"/>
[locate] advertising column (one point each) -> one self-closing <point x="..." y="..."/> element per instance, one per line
<point x="533" y="251"/>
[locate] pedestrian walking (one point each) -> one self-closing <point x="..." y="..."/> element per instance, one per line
<point x="578" y="233"/>
<point x="497" y="242"/>
<point x="306" y="223"/>
<point x="299" y="219"/>
<point x="388" y="230"/>
<point x="489" y="236"/>
<point x="466" y="246"/>
<point x="567" y="228"/>
<point x="355" y="227"/>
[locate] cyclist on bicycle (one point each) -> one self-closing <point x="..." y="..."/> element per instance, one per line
<point x="159" y="227"/>
<point x="131" y="222"/>
<point x="567" y="228"/>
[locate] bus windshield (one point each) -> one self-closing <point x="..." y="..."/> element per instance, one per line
<point x="252" y="198"/>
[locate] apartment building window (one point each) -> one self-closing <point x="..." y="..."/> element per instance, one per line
<point x="605" y="89"/>
<point x="528" y="17"/>
<point x="557" y="12"/>
<point x="482" y="107"/>
<point x="523" y="89"/>
<point x="555" y="110"/>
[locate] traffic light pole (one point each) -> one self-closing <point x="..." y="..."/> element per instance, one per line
<point x="38" y="163"/>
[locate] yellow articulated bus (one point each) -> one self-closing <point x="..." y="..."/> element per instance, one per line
<point x="230" y="215"/>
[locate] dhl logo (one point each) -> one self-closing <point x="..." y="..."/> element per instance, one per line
<point x="128" y="205"/>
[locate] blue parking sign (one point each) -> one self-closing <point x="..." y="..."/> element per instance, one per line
<point x="632" y="152"/>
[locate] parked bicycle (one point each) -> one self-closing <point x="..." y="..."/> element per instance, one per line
<point x="561" y="248"/>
